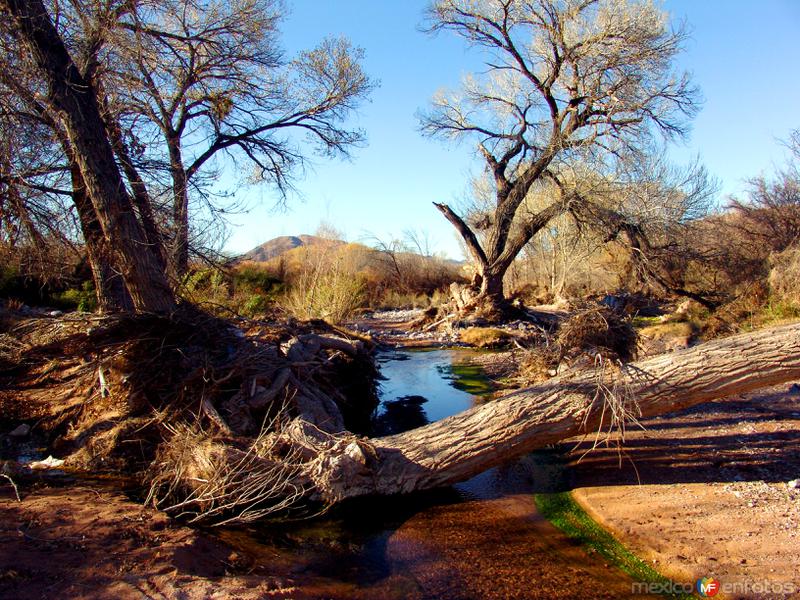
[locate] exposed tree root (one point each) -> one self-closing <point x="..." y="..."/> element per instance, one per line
<point x="341" y="466"/>
<point x="151" y="396"/>
<point x="226" y="426"/>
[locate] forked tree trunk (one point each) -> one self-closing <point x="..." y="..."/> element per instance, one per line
<point x="484" y="297"/>
<point x="112" y="295"/>
<point x="74" y="99"/>
<point x="461" y="446"/>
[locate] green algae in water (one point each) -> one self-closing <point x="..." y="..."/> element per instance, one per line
<point x="469" y="377"/>
<point x="563" y="512"/>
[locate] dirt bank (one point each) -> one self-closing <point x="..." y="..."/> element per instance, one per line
<point x="710" y="491"/>
<point x="82" y="542"/>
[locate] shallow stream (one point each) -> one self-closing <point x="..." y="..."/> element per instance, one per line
<point x="481" y="539"/>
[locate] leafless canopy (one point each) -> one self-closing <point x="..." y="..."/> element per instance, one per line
<point x="178" y="86"/>
<point x="566" y="80"/>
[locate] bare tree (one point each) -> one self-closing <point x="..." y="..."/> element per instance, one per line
<point x="566" y="81"/>
<point x="169" y="88"/>
<point x="210" y="79"/>
<point x="72" y="95"/>
<point x="770" y="215"/>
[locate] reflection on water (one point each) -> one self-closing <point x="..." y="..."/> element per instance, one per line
<point x="400" y="414"/>
<point x="420" y="387"/>
<point x="480" y="539"/>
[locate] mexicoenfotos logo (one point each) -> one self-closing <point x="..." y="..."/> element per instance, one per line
<point x="707" y="587"/>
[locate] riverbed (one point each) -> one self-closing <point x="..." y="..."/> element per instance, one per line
<point x="480" y="539"/>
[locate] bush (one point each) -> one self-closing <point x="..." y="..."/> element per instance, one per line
<point x="253" y="278"/>
<point x="325" y="289"/>
<point x="254" y="305"/>
<point x="784" y="277"/>
<point x="83" y="299"/>
<point x="206" y="287"/>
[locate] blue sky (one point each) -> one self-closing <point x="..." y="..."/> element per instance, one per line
<point x="744" y="55"/>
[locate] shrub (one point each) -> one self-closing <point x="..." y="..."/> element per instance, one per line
<point x="206" y="287"/>
<point x="784" y="277"/>
<point x="83" y="299"/>
<point x="254" y="305"/>
<point x="325" y="289"/>
<point x="251" y="277"/>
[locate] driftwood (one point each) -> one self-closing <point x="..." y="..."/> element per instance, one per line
<point x="459" y="447"/>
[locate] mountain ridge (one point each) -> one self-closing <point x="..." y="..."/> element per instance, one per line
<point x="282" y="244"/>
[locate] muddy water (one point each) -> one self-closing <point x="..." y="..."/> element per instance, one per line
<point x="480" y="539"/>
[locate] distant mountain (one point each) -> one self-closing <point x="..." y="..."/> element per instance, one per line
<point x="279" y="245"/>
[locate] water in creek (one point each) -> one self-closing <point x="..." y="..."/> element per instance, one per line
<point x="480" y="539"/>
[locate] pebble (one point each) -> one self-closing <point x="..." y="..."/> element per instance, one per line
<point x="22" y="431"/>
<point x="794" y="484"/>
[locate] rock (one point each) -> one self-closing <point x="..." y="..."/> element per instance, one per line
<point x="22" y="431"/>
<point x="794" y="484"/>
<point x="55" y="313"/>
<point x="47" y="463"/>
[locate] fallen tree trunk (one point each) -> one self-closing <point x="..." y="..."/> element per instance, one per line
<point x="461" y="446"/>
<point x="332" y="467"/>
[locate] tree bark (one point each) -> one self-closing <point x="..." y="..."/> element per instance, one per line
<point x="179" y="254"/>
<point x="112" y="295"/>
<point x="461" y="446"/>
<point x="75" y="100"/>
<point x="141" y="197"/>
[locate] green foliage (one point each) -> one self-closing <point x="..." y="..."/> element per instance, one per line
<point x="639" y="322"/>
<point x="206" y="287"/>
<point x="255" y="279"/>
<point x="780" y="310"/>
<point x="254" y="305"/>
<point x="82" y="300"/>
<point x="563" y="512"/>
<point x="9" y="281"/>
<point x="248" y="291"/>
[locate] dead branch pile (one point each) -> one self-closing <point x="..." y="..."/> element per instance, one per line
<point x="593" y="332"/>
<point x="152" y="396"/>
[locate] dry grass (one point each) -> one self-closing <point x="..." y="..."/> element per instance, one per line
<point x="485" y="337"/>
<point x="681" y="329"/>
<point x="325" y="291"/>
<point x="784" y="277"/>
<point x="194" y="477"/>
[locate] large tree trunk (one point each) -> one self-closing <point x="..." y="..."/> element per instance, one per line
<point x="141" y="197"/>
<point x="75" y="100"/>
<point x="461" y="446"/>
<point x="485" y="297"/>
<point x="112" y="295"/>
<point x="179" y="253"/>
